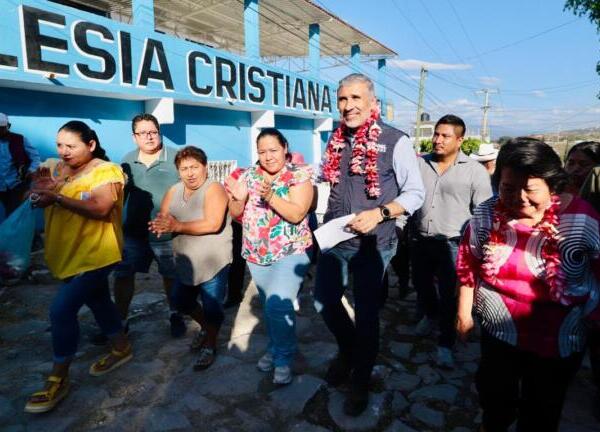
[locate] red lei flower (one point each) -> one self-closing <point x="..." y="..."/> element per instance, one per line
<point x="365" y="146"/>
<point x="548" y="226"/>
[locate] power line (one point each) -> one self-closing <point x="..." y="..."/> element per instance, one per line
<point x="519" y="41"/>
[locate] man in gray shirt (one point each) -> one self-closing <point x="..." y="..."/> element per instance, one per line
<point x="454" y="185"/>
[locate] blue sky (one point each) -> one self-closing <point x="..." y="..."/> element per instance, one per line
<point x="546" y="83"/>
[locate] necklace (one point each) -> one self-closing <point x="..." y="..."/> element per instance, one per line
<point x="554" y="277"/>
<point x="365" y="147"/>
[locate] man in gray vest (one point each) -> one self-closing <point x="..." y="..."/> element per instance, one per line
<point x="374" y="175"/>
<point x="454" y="185"/>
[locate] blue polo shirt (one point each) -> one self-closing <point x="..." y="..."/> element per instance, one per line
<point x="145" y="189"/>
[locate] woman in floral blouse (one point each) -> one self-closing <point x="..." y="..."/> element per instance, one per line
<point x="529" y="263"/>
<point x="274" y="197"/>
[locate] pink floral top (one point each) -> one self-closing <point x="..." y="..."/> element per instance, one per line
<point x="516" y="306"/>
<point x="267" y="236"/>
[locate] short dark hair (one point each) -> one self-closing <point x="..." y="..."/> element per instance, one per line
<point x="144" y="117"/>
<point x="191" y="152"/>
<point x="452" y="120"/>
<point x="86" y="134"/>
<point x="589" y="148"/>
<point x="533" y="158"/>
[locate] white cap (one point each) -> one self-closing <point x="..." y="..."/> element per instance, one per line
<point x="3" y="120"/>
<point x="486" y="152"/>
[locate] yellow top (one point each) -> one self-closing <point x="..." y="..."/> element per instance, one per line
<point x="75" y="243"/>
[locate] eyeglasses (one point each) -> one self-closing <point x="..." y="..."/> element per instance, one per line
<point x="150" y="134"/>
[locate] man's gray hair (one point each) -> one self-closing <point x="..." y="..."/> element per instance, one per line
<point x="358" y="77"/>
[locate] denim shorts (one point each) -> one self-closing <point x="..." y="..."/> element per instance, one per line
<point x="139" y="253"/>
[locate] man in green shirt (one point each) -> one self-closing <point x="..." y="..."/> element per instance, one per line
<point x="150" y="171"/>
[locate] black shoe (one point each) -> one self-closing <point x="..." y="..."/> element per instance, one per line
<point x="356" y="402"/>
<point x="178" y="327"/>
<point x="100" y="339"/>
<point x="339" y="371"/>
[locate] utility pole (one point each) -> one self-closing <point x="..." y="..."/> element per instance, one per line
<point x="420" y="108"/>
<point x="485" y="133"/>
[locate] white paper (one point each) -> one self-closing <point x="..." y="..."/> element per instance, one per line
<point x="334" y="232"/>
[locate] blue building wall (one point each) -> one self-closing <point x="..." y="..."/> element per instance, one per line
<point x="38" y="116"/>
<point x="298" y="132"/>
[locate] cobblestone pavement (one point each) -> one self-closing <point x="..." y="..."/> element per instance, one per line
<point x="159" y="391"/>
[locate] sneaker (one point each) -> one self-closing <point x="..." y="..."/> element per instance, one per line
<point x="178" y="327"/>
<point x="265" y="363"/>
<point x="424" y="327"/>
<point x="198" y="341"/>
<point x="205" y="359"/>
<point x="282" y="375"/>
<point x="356" y="402"/>
<point x="339" y="371"/>
<point x="444" y="358"/>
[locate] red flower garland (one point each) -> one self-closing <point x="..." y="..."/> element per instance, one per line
<point x="365" y="145"/>
<point x="554" y="276"/>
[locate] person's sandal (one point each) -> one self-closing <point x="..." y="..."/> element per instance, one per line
<point x="111" y="361"/>
<point x="198" y="341"/>
<point x="45" y="400"/>
<point x="206" y="358"/>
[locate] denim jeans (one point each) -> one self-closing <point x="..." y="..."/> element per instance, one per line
<point x="278" y="286"/>
<point x="89" y="288"/>
<point x="436" y="258"/>
<point x="359" y="340"/>
<point x="212" y="294"/>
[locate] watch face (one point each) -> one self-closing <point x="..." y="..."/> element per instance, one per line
<point x="385" y="212"/>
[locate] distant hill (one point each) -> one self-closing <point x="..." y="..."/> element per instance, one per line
<point x="591" y="133"/>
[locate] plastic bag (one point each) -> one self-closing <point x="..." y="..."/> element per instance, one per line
<point x="16" y="236"/>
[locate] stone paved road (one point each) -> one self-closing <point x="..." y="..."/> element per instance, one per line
<point x="159" y="391"/>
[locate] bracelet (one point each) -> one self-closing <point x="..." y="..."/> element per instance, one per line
<point x="59" y="199"/>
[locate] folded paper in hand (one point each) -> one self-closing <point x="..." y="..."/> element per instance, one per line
<point x="333" y="232"/>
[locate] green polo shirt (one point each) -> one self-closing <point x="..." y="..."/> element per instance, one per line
<point x="145" y="189"/>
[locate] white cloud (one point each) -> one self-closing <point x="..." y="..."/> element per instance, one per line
<point x="538" y="93"/>
<point x="418" y="64"/>
<point x="461" y="103"/>
<point x="489" y="80"/>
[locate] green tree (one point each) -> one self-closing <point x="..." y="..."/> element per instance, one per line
<point x="589" y="8"/>
<point x="426" y="146"/>
<point x="470" y="145"/>
<point x="503" y="140"/>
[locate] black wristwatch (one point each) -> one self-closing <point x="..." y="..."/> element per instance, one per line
<point x="386" y="214"/>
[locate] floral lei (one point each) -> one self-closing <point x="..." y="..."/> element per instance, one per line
<point x="554" y="276"/>
<point x="365" y="145"/>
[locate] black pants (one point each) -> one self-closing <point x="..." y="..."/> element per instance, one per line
<point x="237" y="270"/>
<point x="12" y="198"/>
<point x="436" y="299"/>
<point x="517" y="385"/>
<point x="400" y="263"/>
<point x="358" y="340"/>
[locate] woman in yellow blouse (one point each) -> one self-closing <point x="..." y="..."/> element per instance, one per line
<point x="83" y="200"/>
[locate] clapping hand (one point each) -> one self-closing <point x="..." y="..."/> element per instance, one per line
<point x="237" y="190"/>
<point x="265" y="190"/>
<point x="163" y="224"/>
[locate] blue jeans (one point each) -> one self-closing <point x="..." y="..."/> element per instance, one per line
<point x="212" y="293"/>
<point x="436" y="258"/>
<point x="138" y="254"/>
<point x="278" y="286"/>
<point x="89" y="288"/>
<point x="358" y="341"/>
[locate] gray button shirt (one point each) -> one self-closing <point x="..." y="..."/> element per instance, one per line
<point x="451" y="197"/>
